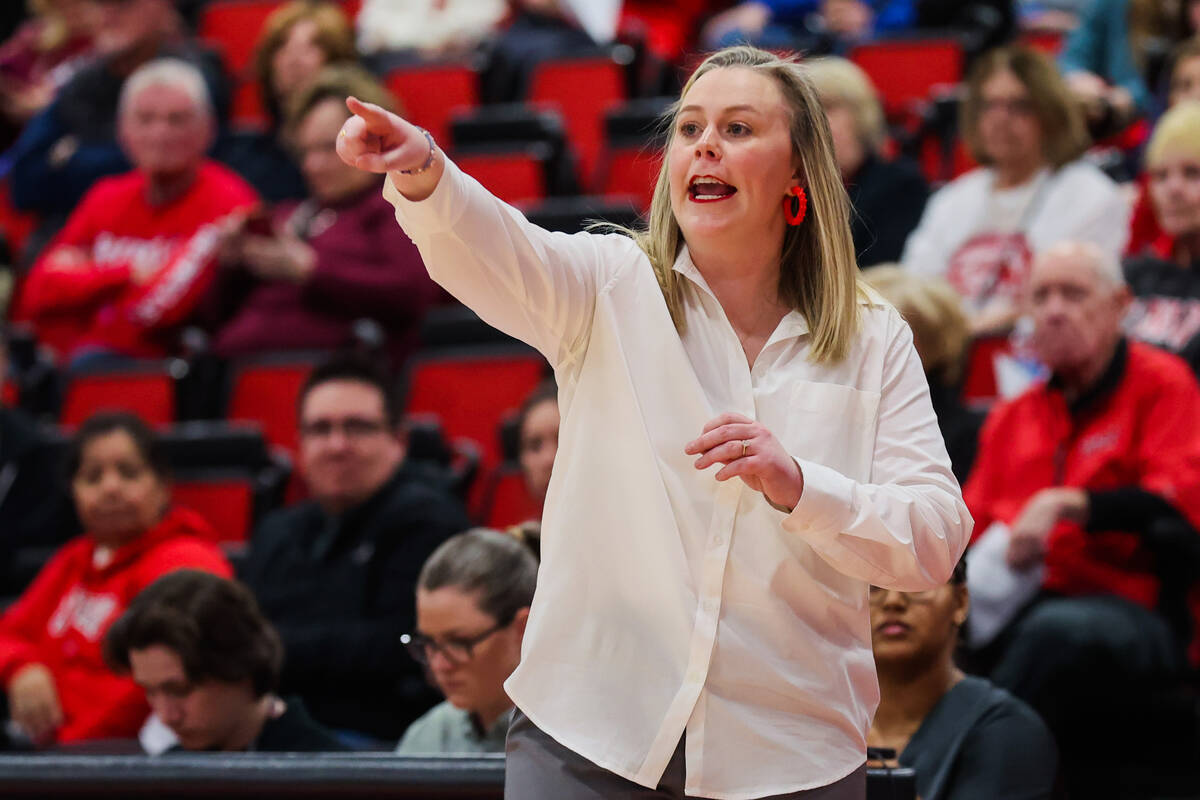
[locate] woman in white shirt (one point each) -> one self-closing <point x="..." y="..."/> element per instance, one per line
<point x="691" y="632"/>
<point x="981" y="231"/>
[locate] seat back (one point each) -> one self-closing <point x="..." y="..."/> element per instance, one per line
<point x="907" y="70"/>
<point x="225" y="498"/>
<point x="470" y="390"/>
<point x="264" y="391"/>
<point x="584" y="91"/>
<point x="234" y="26"/>
<point x="144" y="389"/>
<point x="431" y="95"/>
<point x="517" y="177"/>
<point x="506" y="499"/>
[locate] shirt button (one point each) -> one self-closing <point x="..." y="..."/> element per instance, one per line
<point x="718" y="540"/>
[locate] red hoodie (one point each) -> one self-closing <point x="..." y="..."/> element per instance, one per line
<point x="147" y="266"/>
<point x="61" y="619"/>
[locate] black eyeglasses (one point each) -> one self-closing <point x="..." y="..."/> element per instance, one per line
<point x="351" y="428"/>
<point x="456" y="650"/>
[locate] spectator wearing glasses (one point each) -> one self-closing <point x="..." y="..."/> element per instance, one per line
<point x="337" y="575"/>
<point x="963" y="737"/>
<point x="473" y="598"/>
<point x="209" y="663"/>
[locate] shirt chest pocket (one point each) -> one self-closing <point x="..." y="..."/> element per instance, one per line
<point x="833" y="425"/>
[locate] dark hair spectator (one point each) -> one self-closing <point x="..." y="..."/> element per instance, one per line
<point x="537" y="438"/>
<point x="961" y="735"/>
<point x="348" y="367"/>
<point x="51" y="666"/>
<point x="1086" y="522"/>
<point x="981" y="230"/>
<point x="1183" y="77"/>
<point x="1165" y="276"/>
<point x="314" y="268"/>
<point x="73" y="143"/>
<point x="942" y="336"/>
<point x="887" y="195"/>
<point x="337" y="574"/>
<point x="473" y="598"/>
<point x="209" y="664"/>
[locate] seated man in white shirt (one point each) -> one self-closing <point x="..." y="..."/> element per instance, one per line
<point x="473" y="598"/>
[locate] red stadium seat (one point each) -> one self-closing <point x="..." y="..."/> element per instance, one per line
<point x="471" y="390"/>
<point x="247" y="109"/>
<point x="979" y="383"/>
<point x="431" y="95"/>
<point x="905" y="71"/>
<point x="632" y="172"/>
<point x="506" y="500"/>
<point x="234" y="26"/>
<point x="147" y="390"/>
<point x="225" y="499"/>
<point x="264" y="391"/>
<point x="10" y="394"/>
<point x="583" y="91"/>
<point x="516" y="178"/>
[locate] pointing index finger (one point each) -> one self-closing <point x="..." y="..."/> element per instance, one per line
<point x="376" y="118"/>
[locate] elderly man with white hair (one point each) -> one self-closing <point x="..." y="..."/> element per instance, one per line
<point x="1084" y="473"/>
<point x="139" y="252"/>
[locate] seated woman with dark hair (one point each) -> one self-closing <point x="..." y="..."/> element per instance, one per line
<point x="473" y="599"/>
<point x="965" y="738"/>
<point x="300" y="279"/>
<point x="58" y="687"/>
<point x="209" y="662"/>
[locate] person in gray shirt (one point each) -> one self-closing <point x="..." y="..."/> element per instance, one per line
<point x="473" y="597"/>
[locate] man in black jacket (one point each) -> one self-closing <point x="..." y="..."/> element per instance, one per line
<point x="337" y="575"/>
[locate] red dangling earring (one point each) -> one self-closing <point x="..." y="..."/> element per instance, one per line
<point x="795" y="206"/>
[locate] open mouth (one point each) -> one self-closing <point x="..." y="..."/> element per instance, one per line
<point x="706" y="189"/>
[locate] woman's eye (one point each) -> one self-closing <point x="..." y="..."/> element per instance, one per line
<point x="689" y="129"/>
<point x="738" y="129"/>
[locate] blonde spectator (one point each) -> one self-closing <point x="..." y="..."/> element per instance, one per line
<point x="941" y="334"/>
<point x="1020" y="123"/>
<point x="887" y="195"/>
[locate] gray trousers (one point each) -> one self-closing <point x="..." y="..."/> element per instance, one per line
<point x="539" y="768"/>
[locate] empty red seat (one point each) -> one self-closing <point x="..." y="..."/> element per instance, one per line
<point x="225" y="500"/>
<point x="907" y="70"/>
<point x="584" y="91"/>
<point x="264" y="391"/>
<point x="471" y="390"/>
<point x="431" y="95"/>
<point x="631" y="172"/>
<point x="516" y="177"/>
<point x="506" y="499"/>
<point x="147" y="390"/>
<point x="10" y="395"/>
<point x="234" y="26"/>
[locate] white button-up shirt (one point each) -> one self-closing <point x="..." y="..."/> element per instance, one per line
<point x="668" y="602"/>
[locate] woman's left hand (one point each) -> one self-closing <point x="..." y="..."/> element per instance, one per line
<point x="751" y="452"/>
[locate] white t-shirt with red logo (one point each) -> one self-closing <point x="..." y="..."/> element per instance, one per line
<point x="983" y="240"/>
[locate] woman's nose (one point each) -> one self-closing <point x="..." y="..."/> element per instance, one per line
<point x="705" y="146"/>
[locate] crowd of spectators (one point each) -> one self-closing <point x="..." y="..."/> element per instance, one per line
<point x="371" y="609"/>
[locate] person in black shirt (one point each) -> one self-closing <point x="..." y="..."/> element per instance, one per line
<point x="209" y="663"/>
<point x="1165" y="279"/>
<point x="337" y="575"/>
<point x="887" y="195"/>
<point x="965" y="738"/>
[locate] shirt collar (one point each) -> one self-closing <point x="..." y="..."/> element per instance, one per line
<point x="1105" y="385"/>
<point x="793" y="324"/>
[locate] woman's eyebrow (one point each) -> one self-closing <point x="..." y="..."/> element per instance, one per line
<point x="726" y="110"/>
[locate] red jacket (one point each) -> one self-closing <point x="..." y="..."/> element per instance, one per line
<point x="61" y="619"/>
<point x="1145" y="432"/>
<point x="148" y="266"/>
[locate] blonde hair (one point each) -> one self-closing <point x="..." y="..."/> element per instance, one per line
<point x="1177" y="130"/>
<point x="1064" y="129"/>
<point x="841" y="81"/>
<point x="933" y="310"/>
<point x="817" y="272"/>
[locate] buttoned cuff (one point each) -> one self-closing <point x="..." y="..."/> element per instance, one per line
<point x="825" y="503"/>
<point x="438" y="212"/>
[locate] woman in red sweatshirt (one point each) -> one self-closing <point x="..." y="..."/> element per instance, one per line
<point x="51" y="665"/>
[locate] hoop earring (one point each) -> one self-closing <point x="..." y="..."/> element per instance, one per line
<point x="795" y="206"/>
